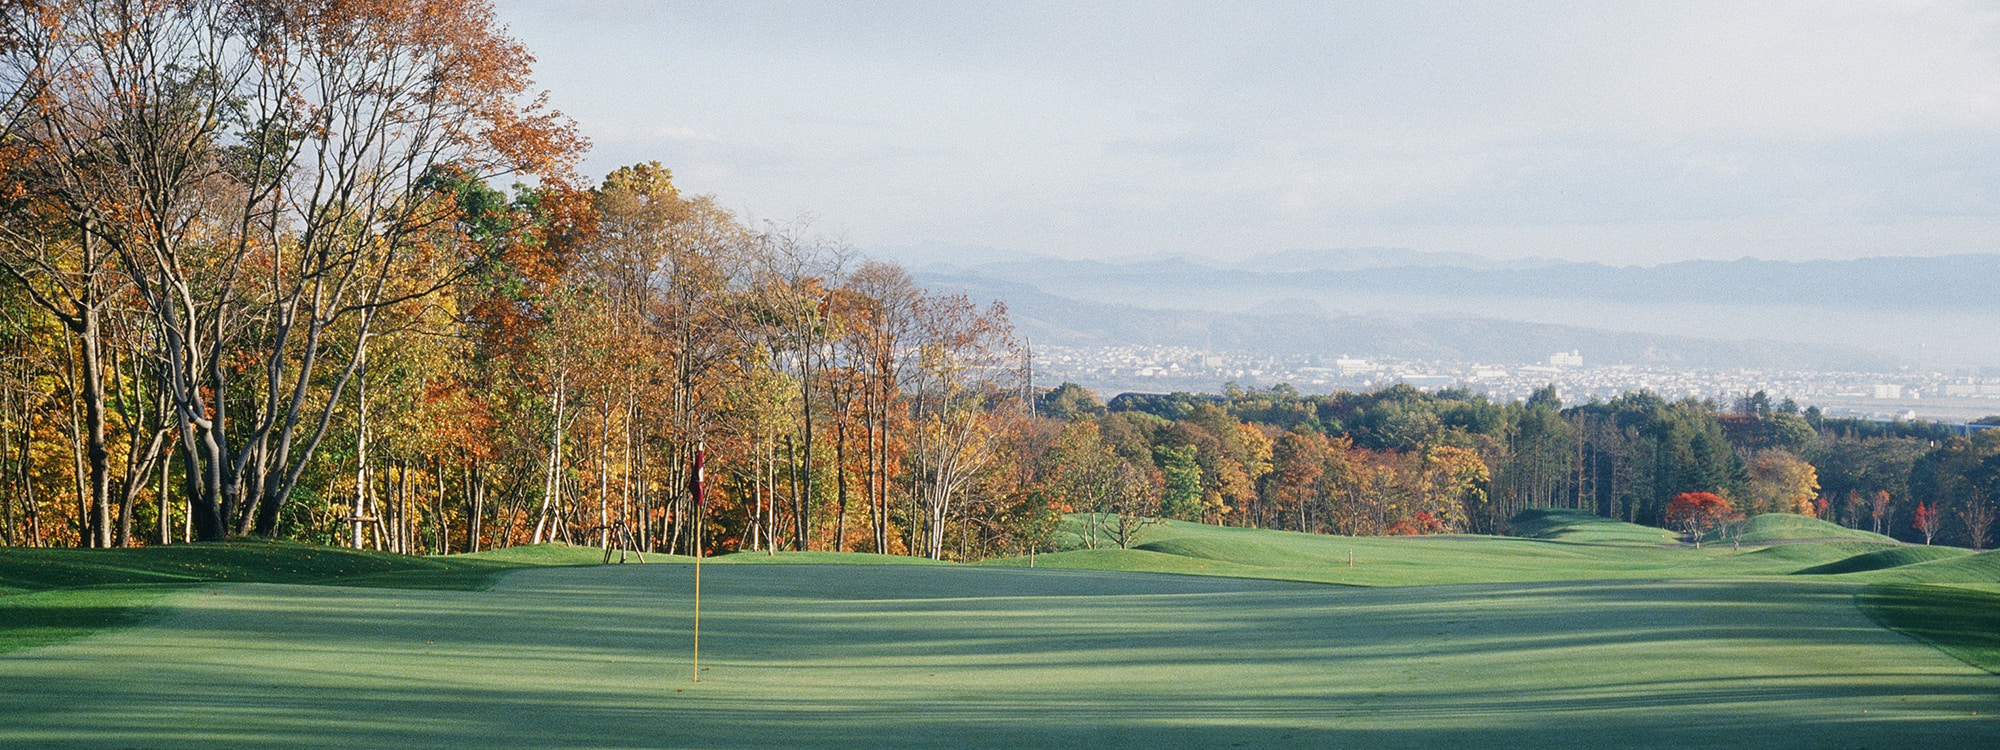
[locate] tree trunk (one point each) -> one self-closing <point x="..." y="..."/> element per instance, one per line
<point x="166" y="503"/>
<point x="443" y="520"/>
<point x="478" y="508"/>
<point x="604" y="479"/>
<point x="840" y="485"/>
<point x="552" y="475"/>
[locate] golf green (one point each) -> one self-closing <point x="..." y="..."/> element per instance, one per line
<point x="960" y="657"/>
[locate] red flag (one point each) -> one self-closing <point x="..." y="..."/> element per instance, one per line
<point x="697" y="483"/>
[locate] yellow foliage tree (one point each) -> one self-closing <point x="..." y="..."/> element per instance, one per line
<point x="1780" y="483"/>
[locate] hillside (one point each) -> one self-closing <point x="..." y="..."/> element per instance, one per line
<point x="1557" y="545"/>
<point x="1584" y="527"/>
<point x="1772" y="528"/>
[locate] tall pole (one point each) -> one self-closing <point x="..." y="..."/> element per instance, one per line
<point x="696" y="489"/>
<point x="697" y="596"/>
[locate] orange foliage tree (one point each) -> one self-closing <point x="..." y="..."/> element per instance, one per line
<point x="1697" y="513"/>
<point x="1928" y="521"/>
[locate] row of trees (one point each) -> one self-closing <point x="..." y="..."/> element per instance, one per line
<point x="1400" y="459"/>
<point x="210" y="207"/>
<point x="254" y="281"/>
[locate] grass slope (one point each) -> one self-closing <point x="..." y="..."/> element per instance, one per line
<point x="1980" y="568"/>
<point x="1960" y="620"/>
<point x="1786" y="527"/>
<point x="52" y="595"/>
<point x="1569" y="546"/>
<point x="815" y="558"/>
<point x="1584" y="527"/>
<point x="1894" y="557"/>
<point x="963" y="657"/>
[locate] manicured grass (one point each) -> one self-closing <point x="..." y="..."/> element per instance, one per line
<point x="1587" y="636"/>
<point x="51" y="595"/>
<point x="43" y="618"/>
<point x="1573" y="548"/>
<point x="1979" y="568"/>
<point x="1893" y="557"/>
<point x="1583" y="527"/>
<point x="963" y="657"/>
<point x="265" y="561"/>
<point x="1785" y="527"/>
<point x="553" y="553"/>
<point x="815" y="558"/>
<point x="1961" y="620"/>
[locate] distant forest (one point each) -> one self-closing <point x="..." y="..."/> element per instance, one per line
<point x="255" y="280"/>
<point x="1401" y="460"/>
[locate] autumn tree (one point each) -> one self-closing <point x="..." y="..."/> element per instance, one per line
<point x="1297" y="461"/>
<point x="1697" y="513"/>
<point x="1083" y="477"/>
<point x="1780" y="482"/>
<point x="884" y="303"/>
<point x="1928" y="521"/>
<point x="964" y="369"/>
<point x="1450" y="486"/>
<point x="1977" y="516"/>
<point x="1880" y="505"/>
<point x="266" y="181"/>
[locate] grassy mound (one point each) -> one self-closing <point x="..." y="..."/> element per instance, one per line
<point x="552" y="553"/>
<point x="1894" y="557"/>
<point x="1240" y="551"/>
<point x="1583" y="527"/>
<point x="1583" y="547"/>
<point x="1785" y="527"/>
<point x="53" y="595"/>
<point x="1963" y="621"/>
<point x="1777" y="559"/>
<point x="1142" y="561"/>
<point x="1983" y="567"/>
<point x="810" y="558"/>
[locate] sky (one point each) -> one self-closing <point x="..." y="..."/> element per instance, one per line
<point x="1618" y="132"/>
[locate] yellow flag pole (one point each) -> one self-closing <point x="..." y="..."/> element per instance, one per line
<point x="697" y="595"/>
<point x="700" y="458"/>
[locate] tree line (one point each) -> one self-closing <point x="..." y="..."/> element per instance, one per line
<point x="256" y="279"/>
<point x="1401" y="460"/>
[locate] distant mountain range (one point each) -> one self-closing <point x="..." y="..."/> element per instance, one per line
<point x="1867" y="314"/>
<point x="1943" y="282"/>
<point x="1051" y="319"/>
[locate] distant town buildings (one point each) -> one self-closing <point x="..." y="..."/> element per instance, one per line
<point x="1160" y="369"/>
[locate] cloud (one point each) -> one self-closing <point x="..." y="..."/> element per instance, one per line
<point x="1225" y="130"/>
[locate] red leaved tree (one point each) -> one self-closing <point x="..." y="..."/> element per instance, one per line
<point x="1929" y="520"/>
<point x="1696" y="513"/>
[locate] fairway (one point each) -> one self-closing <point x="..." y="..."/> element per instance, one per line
<point x="956" y="657"/>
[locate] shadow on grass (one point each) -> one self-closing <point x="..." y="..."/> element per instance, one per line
<point x="71" y="593"/>
<point x="50" y="617"/>
<point x="1963" y="622"/>
<point x="957" y="657"/>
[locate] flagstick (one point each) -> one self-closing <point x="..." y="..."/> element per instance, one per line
<point x="697" y="596"/>
<point x="698" y="490"/>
